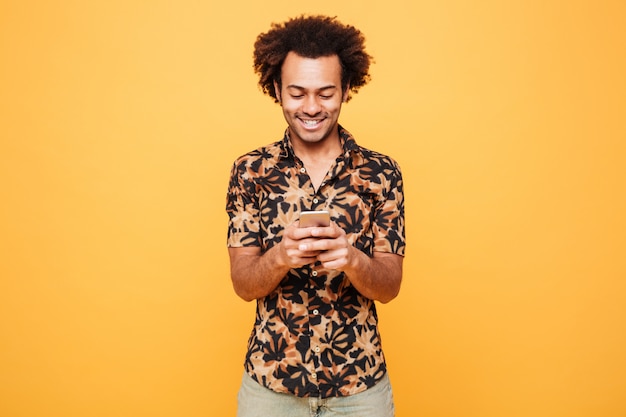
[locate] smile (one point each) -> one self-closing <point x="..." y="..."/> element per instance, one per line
<point x="311" y="122"/>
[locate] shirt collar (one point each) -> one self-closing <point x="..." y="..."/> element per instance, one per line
<point x="351" y="150"/>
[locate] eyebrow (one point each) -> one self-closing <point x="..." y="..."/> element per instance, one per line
<point x="327" y="87"/>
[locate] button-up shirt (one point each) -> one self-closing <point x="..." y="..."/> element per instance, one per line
<point x="315" y="334"/>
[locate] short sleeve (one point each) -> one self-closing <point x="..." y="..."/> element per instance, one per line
<point x="388" y="227"/>
<point x="242" y="208"/>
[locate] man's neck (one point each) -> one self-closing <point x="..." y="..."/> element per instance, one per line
<point x="318" y="157"/>
<point x="327" y="149"/>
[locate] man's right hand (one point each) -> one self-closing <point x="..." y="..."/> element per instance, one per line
<point x="294" y="237"/>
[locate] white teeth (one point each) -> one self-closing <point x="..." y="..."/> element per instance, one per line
<point x="310" y="122"/>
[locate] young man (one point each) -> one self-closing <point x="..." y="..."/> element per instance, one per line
<point x="315" y="348"/>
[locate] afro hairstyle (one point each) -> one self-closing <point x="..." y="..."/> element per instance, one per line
<point x="311" y="37"/>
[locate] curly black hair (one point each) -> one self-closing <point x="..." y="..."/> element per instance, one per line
<point x="312" y="37"/>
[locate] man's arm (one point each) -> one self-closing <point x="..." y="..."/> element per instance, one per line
<point x="377" y="278"/>
<point x="255" y="274"/>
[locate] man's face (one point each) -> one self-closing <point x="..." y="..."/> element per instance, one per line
<point x="311" y="97"/>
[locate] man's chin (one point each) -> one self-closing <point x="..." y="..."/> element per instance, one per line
<point x="312" y="137"/>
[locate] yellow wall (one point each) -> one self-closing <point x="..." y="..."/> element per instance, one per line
<point x="119" y="121"/>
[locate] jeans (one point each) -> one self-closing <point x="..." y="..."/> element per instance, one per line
<point x="254" y="400"/>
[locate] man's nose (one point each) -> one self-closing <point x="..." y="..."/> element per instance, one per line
<point x="311" y="105"/>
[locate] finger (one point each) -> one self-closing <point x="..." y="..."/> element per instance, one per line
<point x="336" y="264"/>
<point x="331" y="255"/>
<point x="329" y="232"/>
<point x="332" y="231"/>
<point x="299" y="233"/>
<point x="318" y="245"/>
<point x="298" y="260"/>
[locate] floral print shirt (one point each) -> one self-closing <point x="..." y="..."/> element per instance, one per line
<point x="315" y="334"/>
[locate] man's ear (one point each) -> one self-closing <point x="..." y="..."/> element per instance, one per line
<point x="277" y="91"/>
<point x="346" y="93"/>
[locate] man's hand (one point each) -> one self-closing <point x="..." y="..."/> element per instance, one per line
<point x="377" y="277"/>
<point x="255" y="275"/>
<point x="298" y="246"/>
<point x="331" y="245"/>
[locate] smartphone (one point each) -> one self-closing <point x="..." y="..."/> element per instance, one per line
<point x="320" y="218"/>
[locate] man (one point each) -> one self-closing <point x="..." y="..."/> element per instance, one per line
<point x="315" y="348"/>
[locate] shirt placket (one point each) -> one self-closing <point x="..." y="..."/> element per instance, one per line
<point x="317" y="200"/>
<point x="316" y="325"/>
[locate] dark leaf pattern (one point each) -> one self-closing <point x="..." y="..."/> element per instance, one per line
<point x="316" y="335"/>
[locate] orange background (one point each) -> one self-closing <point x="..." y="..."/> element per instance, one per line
<point x="119" y="121"/>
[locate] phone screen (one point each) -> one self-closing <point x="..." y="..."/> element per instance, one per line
<point x="319" y="218"/>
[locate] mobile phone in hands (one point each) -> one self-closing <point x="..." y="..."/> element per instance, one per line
<point x="318" y="218"/>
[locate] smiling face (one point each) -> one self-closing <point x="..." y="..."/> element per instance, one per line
<point x="311" y="98"/>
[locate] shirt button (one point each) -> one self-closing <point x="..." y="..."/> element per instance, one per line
<point x="316" y="312"/>
<point x="317" y="349"/>
<point x="314" y="375"/>
<point x="303" y="170"/>
<point x="314" y="273"/>
<point x="315" y="200"/>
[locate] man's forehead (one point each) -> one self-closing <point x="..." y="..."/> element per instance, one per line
<point x="323" y="72"/>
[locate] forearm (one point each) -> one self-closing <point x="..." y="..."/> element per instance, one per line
<point x="254" y="274"/>
<point x="378" y="277"/>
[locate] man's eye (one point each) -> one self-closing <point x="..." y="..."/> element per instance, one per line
<point x="326" y="97"/>
<point x="296" y="96"/>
